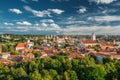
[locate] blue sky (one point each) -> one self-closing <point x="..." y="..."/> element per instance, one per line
<point x="60" y="16"/>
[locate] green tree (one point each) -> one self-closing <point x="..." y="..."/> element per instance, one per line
<point x="18" y="74"/>
<point x="64" y="53"/>
<point x="92" y="73"/>
<point x="107" y="60"/>
<point x="8" y="77"/>
<point x="1" y="68"/>
<point x="117" y="66"/>
<point x="32" y="66"/>
<point x="35" y="76"/>
<point x="66" y="76"/>
<point x="96" y="48"/>
<point x="111" y="71"/>
<point x="53" y="73"/>
<point x="37" y="54"/>
<point x="45" y="75"/>
<point x="72" y="75"/>
<point x="4" y="48"/>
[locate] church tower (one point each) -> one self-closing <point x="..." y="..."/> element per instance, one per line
<point x="93" y="36"/>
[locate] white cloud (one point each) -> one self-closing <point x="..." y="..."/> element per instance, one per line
<point x="74" y="22"/>
<point x="47" y="20"/>
<point x="36" y="24"/>
<point x="82" y="10"/>
<point x="24" y="1"/>
<point x="17" y="11"/>
<point x="105" y="18"/>
<point x="106" y="11"/>
<point x="102" y="1"/>
<point x="57" y="11"/>
<point x="8" y="24"/>
<point x="49" y="23"/>
<point x="54" y="25"/>
<point x="75" y="30"/>
<point x="25" y="23"/>
<point x="44" y="13"/>
<point x="37" y="13"/>
<point x="44" y="24"/>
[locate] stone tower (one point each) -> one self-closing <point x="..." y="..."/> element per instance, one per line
<point x="93" y="36"/>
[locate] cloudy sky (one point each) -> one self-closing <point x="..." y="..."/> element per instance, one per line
<point x="60" y="16"/>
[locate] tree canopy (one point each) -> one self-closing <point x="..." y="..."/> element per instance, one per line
<point x="61" y="68"/>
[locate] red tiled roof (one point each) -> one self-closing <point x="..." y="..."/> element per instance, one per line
<point x="14" y="56"/>
<point x="104" y="44"/>
<point x="89" y="41"/>
<point x="30" y="55"/>
<point x="6" y="61"/>
<point x="21" y="45"/>
<point x="115" y="56"/>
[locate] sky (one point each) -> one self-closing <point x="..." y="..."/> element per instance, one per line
<point x="73" y="17"/>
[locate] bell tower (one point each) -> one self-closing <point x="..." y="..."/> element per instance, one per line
<point x="93" y="36"/>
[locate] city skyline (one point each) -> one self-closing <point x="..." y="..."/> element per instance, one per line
<point x="60" y="16"/>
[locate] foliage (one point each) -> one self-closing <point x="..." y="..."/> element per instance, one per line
<point x="64" y="53"/>
<point x="96" y="48"/>
<point x="61" y="68"/>
<point x="37" y="54"/>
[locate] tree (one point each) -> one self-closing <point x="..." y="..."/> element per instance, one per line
<point x="8" y="77"/>
<point x="45" y="75"/>
<point x="36" y="46"/>
<point x="91" y="73"/>
<point x="11" y="48"/>
<point x="75" y="64"/>
<point x="107" y="60"/>
<point x="117" y="66"/>
<point x="64" y="53"/>
<point x="72" y="75"/>
<point x="4" y="48"/>
<point x="66" y="76"/>
<point x="96" y="48"/>
<point x="14" y="52"/>
<point x="87" y="61"/>
<point x="111" y="71"/>
<point x="35" y="76"/>
<point x="1" y="68"/>
<point x="18" y="74"/>
<point x="32" y="66"/>
<point x="53" y="73"/>
<point x="37" y="54"/>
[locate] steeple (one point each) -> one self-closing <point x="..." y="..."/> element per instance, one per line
<point x="93" y="36"/>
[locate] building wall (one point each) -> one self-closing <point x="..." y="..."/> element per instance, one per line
<point x="0" y="49"/>
<point x="19" y="48"/>
<point x="91" y="44"/>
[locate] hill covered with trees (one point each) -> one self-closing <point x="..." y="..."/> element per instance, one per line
<point x="61" y="68"/>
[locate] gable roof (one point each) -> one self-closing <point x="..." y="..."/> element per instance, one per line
<point x="89" y="41"/>
<point x="21" y="45"/>
<point x="105" y="44"/>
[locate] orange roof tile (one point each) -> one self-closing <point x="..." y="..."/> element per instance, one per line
<point x="21" y="45"/>
<point x="105" y="44"/>
<point x="6" y="61"/>
<point x="89" y="41"/>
